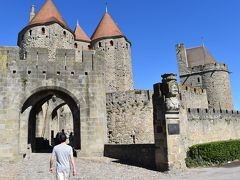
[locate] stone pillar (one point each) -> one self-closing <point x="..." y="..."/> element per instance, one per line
<point x="169" y="149"/>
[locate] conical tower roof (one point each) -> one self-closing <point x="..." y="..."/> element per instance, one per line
<point x="106" y="28"/>
<point x="48" y="13"/>
<point x="80" y="35"/>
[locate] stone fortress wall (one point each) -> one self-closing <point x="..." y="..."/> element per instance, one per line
<point x="209" y="125"/>
<point x="193" y="97"/>
<point x="179" y="126"/>
<point x="95" y="80"/>
<point x="129" y="117"/>
<point x="22" y="79"/>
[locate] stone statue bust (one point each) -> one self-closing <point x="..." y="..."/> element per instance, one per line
<point x="171" y="93"/>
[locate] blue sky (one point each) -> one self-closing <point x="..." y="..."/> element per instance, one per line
<point x="153" y="27"/>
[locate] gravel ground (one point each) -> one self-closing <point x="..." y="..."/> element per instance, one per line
<point x="36" y="168"/>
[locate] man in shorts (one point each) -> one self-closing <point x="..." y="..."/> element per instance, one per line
<point x="64" y="156"/>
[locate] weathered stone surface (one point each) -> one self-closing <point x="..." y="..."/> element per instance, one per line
<point x="118" y="65"/>
<point x="129" y="116"/>
<point x="214" y="77"/>
<point x="22" y="79"/>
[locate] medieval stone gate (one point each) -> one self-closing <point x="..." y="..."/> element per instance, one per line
<point x="36" y="101"/>
<point x="30" y="83"/>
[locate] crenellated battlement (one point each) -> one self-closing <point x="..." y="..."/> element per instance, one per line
<point x="129" y="117"/>
<point x="210" y="67"/>
<point x="208" y="114"/>
<point x="193" y="90"/>
<point x="129" y="98"/>
<point x="36" y="61"/>
<point x="193" y="97"/>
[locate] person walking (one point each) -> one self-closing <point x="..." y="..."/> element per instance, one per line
<point x="63" y="154"/>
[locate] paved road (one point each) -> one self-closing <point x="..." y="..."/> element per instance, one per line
<point x="36" y="168"/>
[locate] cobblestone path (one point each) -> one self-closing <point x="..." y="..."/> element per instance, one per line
<point x="36" y="168"/>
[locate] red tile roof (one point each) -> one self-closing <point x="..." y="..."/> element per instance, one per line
<point x="106" y="28"/>
<point x="48" y="13"/>
<point x="80" y="35"/>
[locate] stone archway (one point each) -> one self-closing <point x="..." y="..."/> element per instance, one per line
<point x="34" y="105"/>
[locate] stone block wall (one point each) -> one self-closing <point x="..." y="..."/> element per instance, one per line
<point x="217" y="83"/>
<point x="118" y="65"/>
<point x="193" y="97"/>
<point x="208" y="125"/>
<point x="142" y="155"/>
<point x="130" y="117"/>
<point x="51" y="36"/>
<point x="82" y="81"/>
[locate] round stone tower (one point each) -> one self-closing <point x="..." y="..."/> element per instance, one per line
<point x="46" y="29"/>
<point x="116" y="48"/>
<point x="215" y="80"/>
<point x="198" y="68"/>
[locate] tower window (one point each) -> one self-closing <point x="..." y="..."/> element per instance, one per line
<point x="198" y="79"/>
<point x="76" y="45"/>
<point x="64" y="33"/>
<point x="111" y="43"/>
<point x="100" y="44"/>
<point x="43" y="31"/>
<point x="127" y="45"/>
<point x="30" y="32"/>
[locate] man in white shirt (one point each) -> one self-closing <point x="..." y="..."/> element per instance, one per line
<point x="64" y="156"/>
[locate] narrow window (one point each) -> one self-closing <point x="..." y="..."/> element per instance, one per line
<point x="25" y="55"/>
<point x="30" y="32"/>
<point x="75" y="45"/>
<point x="127" y="45"/>
<point x="111" y="43"/>
<point x="64" y="33"/>
<point x="43" y="31"/>
<point x="100" y="44"/>
<point x="198" y="79"/>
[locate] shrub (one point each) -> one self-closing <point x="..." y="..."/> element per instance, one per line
<point x="213" y="153"/>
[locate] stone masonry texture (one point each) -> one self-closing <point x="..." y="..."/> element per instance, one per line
<point x="51" y="81"/>
<point x="118" y="65"/>
<point x="129" y="117"/>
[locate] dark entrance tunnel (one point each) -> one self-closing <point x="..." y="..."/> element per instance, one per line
<point x="36" y="100"/>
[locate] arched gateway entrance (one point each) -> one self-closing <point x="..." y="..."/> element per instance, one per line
<point x="35" y="104"/>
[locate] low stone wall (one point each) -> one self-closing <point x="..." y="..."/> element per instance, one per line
<point x="208" y="125"/>
<point x="130" y="117"/>
<point x="142" y="155"/>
